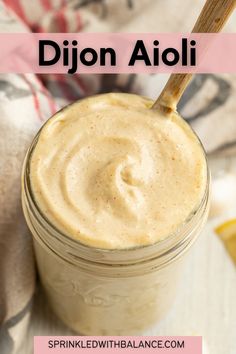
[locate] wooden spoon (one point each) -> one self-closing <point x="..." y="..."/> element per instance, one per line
<point x="212" y="18"/>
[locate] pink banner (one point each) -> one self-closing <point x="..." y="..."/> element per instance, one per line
<point x="118" y="345"/>
<point x="117" y="53"/>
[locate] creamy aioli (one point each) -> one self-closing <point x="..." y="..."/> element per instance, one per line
<point x="114" y="174"/>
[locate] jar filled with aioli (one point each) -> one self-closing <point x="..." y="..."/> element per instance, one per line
<point x="114" y="194"/>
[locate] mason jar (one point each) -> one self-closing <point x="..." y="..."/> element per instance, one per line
<point x="108" y="292"/>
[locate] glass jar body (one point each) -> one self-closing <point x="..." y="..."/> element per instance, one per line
<point x="92" y="304"/>
<point x="96" y="296"/>
<point x="108" y="292"/>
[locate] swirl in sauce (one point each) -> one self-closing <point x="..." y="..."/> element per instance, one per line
<point x="114" y="174"/>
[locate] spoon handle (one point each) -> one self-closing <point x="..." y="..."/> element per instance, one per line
<point x="212" y="18"/>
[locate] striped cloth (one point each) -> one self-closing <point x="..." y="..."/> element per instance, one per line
<point x="27" y="100"/>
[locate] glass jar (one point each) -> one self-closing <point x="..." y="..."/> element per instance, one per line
<point x="108" y="292"/>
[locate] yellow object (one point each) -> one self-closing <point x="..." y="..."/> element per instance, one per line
<point x="227" y="233"/>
